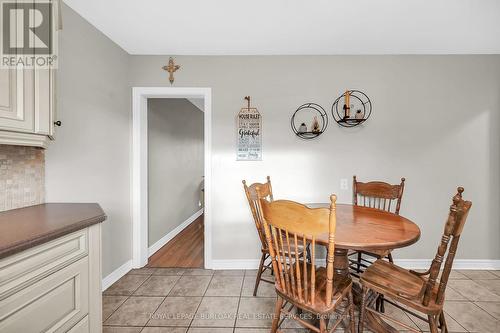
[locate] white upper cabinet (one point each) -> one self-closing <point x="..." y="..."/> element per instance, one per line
<point x="27" y="92"/>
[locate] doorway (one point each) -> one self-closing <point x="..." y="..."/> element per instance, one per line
<point x="184" y="235"/>
<point x="175" y="182"/>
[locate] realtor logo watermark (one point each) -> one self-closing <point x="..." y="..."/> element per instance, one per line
<point x="27" y="33"/>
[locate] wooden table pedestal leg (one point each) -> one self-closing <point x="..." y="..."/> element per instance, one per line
<point x="341" y="271"/>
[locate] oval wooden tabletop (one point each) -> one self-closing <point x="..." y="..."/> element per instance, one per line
<point x="363" y="228"/>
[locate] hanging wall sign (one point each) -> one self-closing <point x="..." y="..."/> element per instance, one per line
<point x="249" y="134"/>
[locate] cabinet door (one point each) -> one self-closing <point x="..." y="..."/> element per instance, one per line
<point x="81" y="327"/>
<point x="44" y="101"/>
<point x="16" y="100"/>
<point x="53" y="304"/>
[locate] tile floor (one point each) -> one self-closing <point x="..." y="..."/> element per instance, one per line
<point x="171" y="300"/>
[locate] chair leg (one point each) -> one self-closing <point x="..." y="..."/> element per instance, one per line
<point x="322" y="325"/>
<point x="433" y="324"/>
<point x="389" y="256"/>
<point x="442" y="323"/>
<point x="362" y="310"/>
<point x="308" y="253"/>
<point x="259" y="274"/>
<point x="352" y="321"/>
<point x="358" y="269"/>
<point x="277" y="314"/>
<point x="382" y="306"/>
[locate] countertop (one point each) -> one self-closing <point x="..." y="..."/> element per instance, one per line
<point x="23" y="228"/>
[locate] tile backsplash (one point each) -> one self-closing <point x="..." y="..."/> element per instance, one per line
<point x="22" y="176"/>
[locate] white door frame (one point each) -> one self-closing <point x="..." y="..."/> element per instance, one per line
<point x="140" y="166"/>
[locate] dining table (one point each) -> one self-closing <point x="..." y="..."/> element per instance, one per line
<point x="363" y="229"/>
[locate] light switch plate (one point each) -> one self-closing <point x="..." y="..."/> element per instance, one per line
<point x="343" y="184"/>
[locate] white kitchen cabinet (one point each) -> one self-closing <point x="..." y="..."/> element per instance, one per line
<point x="54" y="287"/>
<point x="27" y="105"/>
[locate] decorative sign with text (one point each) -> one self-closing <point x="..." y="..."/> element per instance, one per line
<point x="249" y="134"/>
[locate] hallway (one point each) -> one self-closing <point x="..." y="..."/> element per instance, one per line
<point x="184" y="250"/>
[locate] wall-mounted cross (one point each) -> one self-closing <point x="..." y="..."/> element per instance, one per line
<point x="171" y="68"/>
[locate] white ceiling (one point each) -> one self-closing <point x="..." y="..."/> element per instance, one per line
<point x="269" y="27"/>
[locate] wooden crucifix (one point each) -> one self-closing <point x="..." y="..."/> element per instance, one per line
<point x="171" y="68"/>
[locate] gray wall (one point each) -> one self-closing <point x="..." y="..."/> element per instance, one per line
<point x="90" y="159"/>
<point x="435" y="121"/>
<point x="175" y="163"/>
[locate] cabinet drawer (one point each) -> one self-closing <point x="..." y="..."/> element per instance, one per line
<point x="25" y="268"/>
<point x="53" y="304"/>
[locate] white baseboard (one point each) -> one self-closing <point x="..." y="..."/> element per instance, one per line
<point x="479" y="264"/>
<point x="116" y="275"/>
<point x="168" y="237"/>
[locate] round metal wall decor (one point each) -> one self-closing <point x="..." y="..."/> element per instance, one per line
<point x="309" y="121"/>
<point x="352" y="108"/>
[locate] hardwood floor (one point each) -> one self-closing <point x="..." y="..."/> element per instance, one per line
<point x="184" y="250"/>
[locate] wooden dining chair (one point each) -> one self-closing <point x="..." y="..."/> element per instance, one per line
<point x="410" y="290"/>
<point x="379" y="195"/>
<point x="265" y="192"/>
<point x="301" y="284"/>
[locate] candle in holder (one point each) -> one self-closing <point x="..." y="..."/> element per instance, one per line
<point x="347" y="105"/>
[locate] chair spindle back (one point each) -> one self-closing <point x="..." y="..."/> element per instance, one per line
<point x="265" y="192"/>
<point x="378" y="195"/>
<point x="289" y="223"/>
<point x="459" y="210"/>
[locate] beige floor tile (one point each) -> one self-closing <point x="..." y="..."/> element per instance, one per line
<point x="191" y="286"/>
<point x="164" y="330"/>
<point x="473" y="291"/>
<point x="255" y="312"/>
<point x="491" y="285"/>
<point x="143" y="271"/>
<point x="111" y="329"/>
<point x="126" y="285"/>
<point x="136" y="311"/>
<point x="222" y="285"/>
<point x="265" y="289"/>
<point x="253" y="272"/>
<point x="159" y="285"/>
<point x="399" y="315"/>
<point x="216" y="312"/>
<point x="456" y="275"/>
<point x="453" y="295"/>
<point x="210" y="330"/>
<point x="175" y="311"/>
<point x="198" y="271"/>
<point x="453" y="325"/>
<point x="110" y="304"/>
<point x="472" y="317"/>
<point x="493" y="308"/>
<point x="266" y="330"/>
<point x="478" y="274"/>
<point x="497" y="273"/>
<point x="230" y="272"/>
<point x="169" y="271"/>
<point x="290" y="323"/>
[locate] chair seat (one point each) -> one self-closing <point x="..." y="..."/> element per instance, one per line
<point x="398" y="280"/>
<point x="340" y="290"/>
<point x="398" y="283"/>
